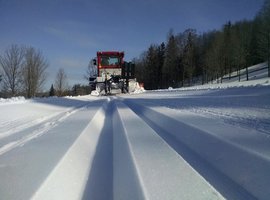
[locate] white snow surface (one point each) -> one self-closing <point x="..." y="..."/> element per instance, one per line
<point x="12" y="100"/>
<point x="203" y="142"/>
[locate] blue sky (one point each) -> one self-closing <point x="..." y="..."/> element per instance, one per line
<point x="69" y="32"/>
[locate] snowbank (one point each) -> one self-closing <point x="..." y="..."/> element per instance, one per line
<point x="12" y="100"/>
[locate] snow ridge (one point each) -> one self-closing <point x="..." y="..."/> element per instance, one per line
<point x="230" y="156"/>
<point x="69" y="177"/>
<point x="43" y="126"/>
<point x="162" y="172"/>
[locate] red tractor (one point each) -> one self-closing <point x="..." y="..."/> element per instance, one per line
<point x="113" y="74"/>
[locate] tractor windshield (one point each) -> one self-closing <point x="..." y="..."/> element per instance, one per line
<point x="109" y="60"/>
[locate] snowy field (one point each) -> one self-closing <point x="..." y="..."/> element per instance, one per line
<point x="204" y="142"/>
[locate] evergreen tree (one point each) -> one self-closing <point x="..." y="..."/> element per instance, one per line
<point x="254" y="51"/>
<point x="52" y="91"/>
<point x="170" y="69"/>
<point x="189" y="55"/>
<point x="141" y="73"/>
<point x="241" y="41"/>
<point x="226" y="60"/>
<point x="151" y="68"/>
<point x="213" y="57"/>
<point x="160" y="62"/>
<point x="204" y="43"/>
<point x="264" y="30"/>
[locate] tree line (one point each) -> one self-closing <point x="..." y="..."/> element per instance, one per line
<point x="189" y="56"/>
<point x="23" y="72"/>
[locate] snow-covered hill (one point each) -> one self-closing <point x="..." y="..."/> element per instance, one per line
<point x="202" y="142"/>
<point x="257" y="74"/>
<point x="254" y="72"/>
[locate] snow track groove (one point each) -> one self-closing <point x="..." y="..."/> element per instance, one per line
<point x="195" y="142"/>
<point x="34" y="129"/>
<point x="99" y="184"/>
<point x="258" y="120"/>
<point x="127" y="183"/>
<point x="69" y="177"/>
<point x="20" y="124"/>
<point x="162" y="173"/>
<point x="118" y="156"/>
<point x="23" y="170"/>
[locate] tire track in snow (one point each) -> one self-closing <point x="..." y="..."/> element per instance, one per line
<point x="21" y="125"/>
<point x="38" y="129"/>
<point x="158" y="172"/>
<point x="24" y="169"/>
<point x="127" y="181"/>
<point x="249" y="111"/>
<point x="258" y="119"/>
<point x="18" y="125"/>
<point x="70" y="176"/>
<point x="100" y="180"/>
<point x="122" y="158"/>
<point x="113" y="174"/>
<point x="235" y="171"/>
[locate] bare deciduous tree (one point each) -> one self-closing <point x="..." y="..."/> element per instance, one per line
<point x="11" y="63"/>
<point x="34" y="71"/>
<point x="61" y="84"/>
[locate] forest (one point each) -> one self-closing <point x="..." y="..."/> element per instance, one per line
<point x="189" y="56"/>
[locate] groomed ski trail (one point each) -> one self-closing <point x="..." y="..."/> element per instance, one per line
<point x="146" y="146"/>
